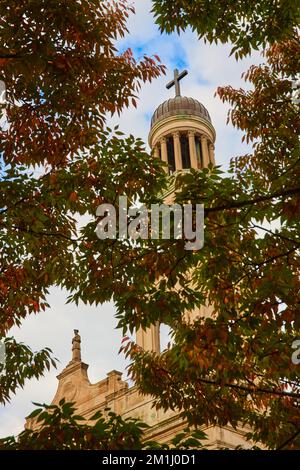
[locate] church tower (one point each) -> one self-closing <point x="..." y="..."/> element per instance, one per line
<point x="182" y="136"/>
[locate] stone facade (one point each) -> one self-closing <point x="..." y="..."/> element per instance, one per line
<point x="115" y="394"/>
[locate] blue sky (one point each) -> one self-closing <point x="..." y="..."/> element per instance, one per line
<point x="209" y="67"/>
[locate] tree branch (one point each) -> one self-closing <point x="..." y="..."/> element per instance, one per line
<point x="253" y="389"/>
<point x="248" y="202"/>
<point x="278" y="235"/>
<point x="10" y="56"/>
<point x="290" y="439"/>
<point x="46" y="234"/>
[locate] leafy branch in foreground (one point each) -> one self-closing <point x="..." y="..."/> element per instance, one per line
<point x="246" y="24"/>
<point x="22" y="363"/>
<point x="58" y="427"/>
<point x="234" y="365"/>
<point x="63" y="75"/>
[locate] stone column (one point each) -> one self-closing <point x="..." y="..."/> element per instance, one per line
<point x="156" y="151"/>
<point x="204" y="151"/>
<point x="212" y="153"/>
<point x="177" y="150"/>
<point x="148" y="339"/>
<point x="164" y="152"/>
<point x="192" y="147"/>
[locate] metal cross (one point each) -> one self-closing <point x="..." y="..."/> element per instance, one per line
<point x="177" y="77"/>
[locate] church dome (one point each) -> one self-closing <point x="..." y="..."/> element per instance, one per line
<point x="178" y="106"/>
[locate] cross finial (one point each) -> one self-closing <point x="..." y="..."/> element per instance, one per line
<point x="177" y="77"/>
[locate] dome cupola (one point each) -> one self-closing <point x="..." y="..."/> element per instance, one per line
<point x="179" y="106"/>
<point x="181" y="133"/>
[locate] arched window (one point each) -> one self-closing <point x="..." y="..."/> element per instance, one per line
<point x="185" y="151"/>
<point x="199" y="151"/>
<point x="171" y="153"/>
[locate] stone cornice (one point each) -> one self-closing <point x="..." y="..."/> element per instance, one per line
<point x="180" y="120"/>
<point x="72" y="368"/>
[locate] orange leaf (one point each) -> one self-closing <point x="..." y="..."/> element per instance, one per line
<point x="73" y="196"/>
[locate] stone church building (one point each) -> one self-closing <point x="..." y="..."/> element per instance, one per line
<point x="183" y="136"/>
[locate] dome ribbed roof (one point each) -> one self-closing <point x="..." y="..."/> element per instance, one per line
<point x="180" y="105"/>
